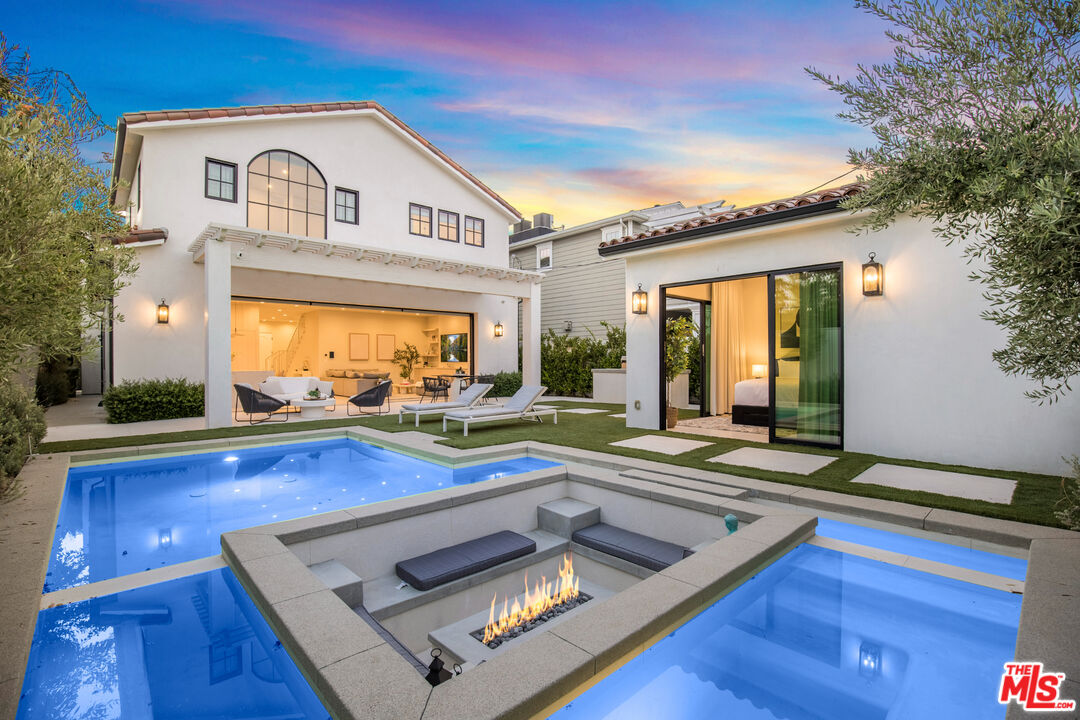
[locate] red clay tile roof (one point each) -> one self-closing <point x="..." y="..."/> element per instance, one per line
<point x="773" y="206"/>
<point x="306" y="108"/>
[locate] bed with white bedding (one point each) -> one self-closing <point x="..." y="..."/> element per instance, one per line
<point x="750" y="399"/>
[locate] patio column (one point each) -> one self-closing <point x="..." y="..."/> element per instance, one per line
<point x="530" y="337"/>
<point x="217" y="262"/>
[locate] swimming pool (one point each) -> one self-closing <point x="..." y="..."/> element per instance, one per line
<point x="987" y="562"/>
<point x="126" y="517"/>
<point x="189" y="648"/>
<point x="819" y="635"/>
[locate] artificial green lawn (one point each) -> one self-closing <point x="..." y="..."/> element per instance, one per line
<point x="1033" y="500"/>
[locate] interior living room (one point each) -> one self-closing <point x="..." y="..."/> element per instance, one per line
<point x="351" y="346"/>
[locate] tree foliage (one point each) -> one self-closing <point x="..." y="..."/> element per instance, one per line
<point x="978" y="129"/>
<point x="58" y="268"/>
<point x="680" y="339"/>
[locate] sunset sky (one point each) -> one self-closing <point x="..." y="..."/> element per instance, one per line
<point x="583" y="109"/>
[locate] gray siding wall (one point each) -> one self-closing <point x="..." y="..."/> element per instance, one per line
<point x="581" y="286"/>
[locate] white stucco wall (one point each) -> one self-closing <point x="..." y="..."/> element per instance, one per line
<point x="919" y="379"/>
<point x="352" y="150"/>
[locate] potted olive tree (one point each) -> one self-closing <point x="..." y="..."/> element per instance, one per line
<point x="680" y="335"/>
<point x="406" y="358"/>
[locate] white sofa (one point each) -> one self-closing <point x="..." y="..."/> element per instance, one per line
<point x="288" y="389"/>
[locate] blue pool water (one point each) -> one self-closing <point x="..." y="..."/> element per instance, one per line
<point x="980" y="560"/>
<point x="189" y="648"/>
<point x="126" y="517"/>
<point x="821" y="635"/>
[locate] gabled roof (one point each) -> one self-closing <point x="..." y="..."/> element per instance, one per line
<point x="769" y="212"/>
<point x="248" y="111"/>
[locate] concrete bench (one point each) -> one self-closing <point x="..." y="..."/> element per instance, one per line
<point x="631" y="546"/>
<point x="457" y="561"/>
<point x="346" y="584"/>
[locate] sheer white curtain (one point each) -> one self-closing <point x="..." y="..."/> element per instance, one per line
<point x="731" y="356"/>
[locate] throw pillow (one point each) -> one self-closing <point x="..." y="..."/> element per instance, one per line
<point x="271" y="387"/>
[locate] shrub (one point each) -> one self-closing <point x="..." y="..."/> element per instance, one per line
<point x="1068" y="507"/>
<point x="506" y="384"/>
<point x="22" y="425"/>
<point x="566" y="363"/>
<point x="53" y="386"/>
<point x="138" y="400"/>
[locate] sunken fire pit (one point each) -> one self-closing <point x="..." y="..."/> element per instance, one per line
<point x="544" y="602"/>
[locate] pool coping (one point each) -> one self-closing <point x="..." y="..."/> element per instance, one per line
<point x="27" y="524"/>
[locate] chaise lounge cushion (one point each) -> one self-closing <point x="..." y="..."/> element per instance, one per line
<point x="457" y="561"/>
<point x="631" y="546"/>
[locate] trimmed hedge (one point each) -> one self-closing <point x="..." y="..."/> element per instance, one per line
<point x="22" y="425"/>
<point x="505" y="384"/>
<point x="566" y="363"/>
<point x="138" y="400"/>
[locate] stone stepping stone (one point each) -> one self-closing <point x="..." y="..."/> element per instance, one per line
<point x="581" y="411"/>
<point x="776" y="460"/>
<point x="972" y="487"/>
<point x="618" y="415"/>
<point x="661" y="444"/>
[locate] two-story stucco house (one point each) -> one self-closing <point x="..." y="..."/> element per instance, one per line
<point x="309" y="239"/>
<point x="581" y="288"/>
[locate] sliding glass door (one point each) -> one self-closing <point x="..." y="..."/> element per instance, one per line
<point x="806" y="344"/>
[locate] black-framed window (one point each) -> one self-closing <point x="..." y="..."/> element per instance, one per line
<point x="419" y="220"/>
<point x="220" y="180"/>
<point x="448" y="225"/>
<point x="286" y="193"/>
<point x="474" y="231"/>
<point x="345" y="205"/>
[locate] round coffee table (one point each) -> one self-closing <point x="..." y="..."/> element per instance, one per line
<point x="310" y="409"/>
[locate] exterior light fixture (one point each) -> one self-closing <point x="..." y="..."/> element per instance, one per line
<point x="163" y="312"/>
<point x="165" y="538"/>
<point x="639" y="301"/>
<point x="498" y="329"/>
<point x="757" y="371"/>
<point x="873" y="278"/>
<point x="869" y="660"/>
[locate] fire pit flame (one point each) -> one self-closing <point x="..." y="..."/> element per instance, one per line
<point x="539" y="600"/>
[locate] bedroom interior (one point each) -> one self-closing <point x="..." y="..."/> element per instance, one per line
<point x="802" y="359"/>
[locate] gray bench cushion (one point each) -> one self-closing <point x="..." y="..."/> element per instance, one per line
<point x="457" y="561"/>
<point x="631" y="546"/>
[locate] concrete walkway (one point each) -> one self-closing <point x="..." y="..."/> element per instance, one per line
<point x="972" y="487"/>
<point x="82" y="419"/>
<point x="776" y="460"/>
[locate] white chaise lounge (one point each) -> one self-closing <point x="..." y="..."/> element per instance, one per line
<point x="518" y="407"/>
<point x="468" y="398"/>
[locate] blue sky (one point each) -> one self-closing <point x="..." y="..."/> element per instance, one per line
<point x="584" y="109"/>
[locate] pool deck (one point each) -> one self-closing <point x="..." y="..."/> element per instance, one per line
<point x="1049" y="618"/>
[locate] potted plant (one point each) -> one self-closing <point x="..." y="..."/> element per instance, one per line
<point x="406" y="358"/>
<point x="680" y="335"/>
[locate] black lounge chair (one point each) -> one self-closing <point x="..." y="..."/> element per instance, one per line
<point x="435" y="388"/>
<point x="457" y="561"/>
<point x="631" y="546"/>
<point x="372" y="397"/>
<point x="254" y="402"/>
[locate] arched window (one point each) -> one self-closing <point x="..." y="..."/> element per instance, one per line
<point x="286" y="194"/>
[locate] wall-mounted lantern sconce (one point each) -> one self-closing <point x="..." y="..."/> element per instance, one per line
<point x="757" y="371"/>
<point x="498" y="329"/>
<point x="163" y="313"/>
<point x="873" y="278"/>
<point x="869" y="660"/>
<point x="639" y="301"/>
